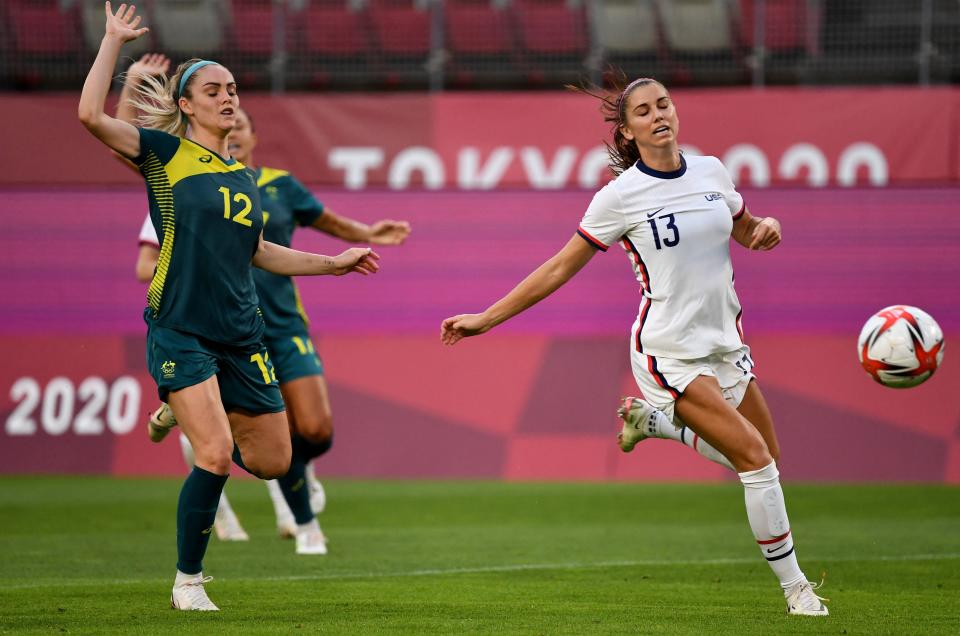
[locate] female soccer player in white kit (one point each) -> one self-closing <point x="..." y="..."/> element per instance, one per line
<point x="674" y="216"/>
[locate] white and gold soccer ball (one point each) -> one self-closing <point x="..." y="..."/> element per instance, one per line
<point x="901" y="346"/>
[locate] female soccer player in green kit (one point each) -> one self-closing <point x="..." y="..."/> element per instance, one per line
<point x="204" y="332"/>
<point x="287" y="204"/>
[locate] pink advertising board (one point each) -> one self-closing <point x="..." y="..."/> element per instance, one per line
<point x="532" y="400"/>
<point x="546" y="141"/>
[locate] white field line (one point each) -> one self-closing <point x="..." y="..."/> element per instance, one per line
<point x="518" y="567"/>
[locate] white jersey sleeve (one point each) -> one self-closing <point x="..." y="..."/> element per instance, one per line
<point x="732" y="198"/>
<point x="604" y="222"/>
<point x="148" y="235"/>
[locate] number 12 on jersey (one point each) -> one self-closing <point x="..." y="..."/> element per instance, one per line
<point x="241" y="216"/>
<point x="671" y="225"/>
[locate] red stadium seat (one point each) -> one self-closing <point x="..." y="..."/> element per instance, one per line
<point x="554" y="39"/>
<point x="480" y="40"/>
<point x="555" y="27"/>
<point x="401" y="27"/>
<point x="785" y="23"/>
<point x="41" y="27"/>
<point x="478" y="27"/>
<point x="334" y="28"/>
<point x="402" y="31"/>
<point x="253" y="27"/>
<point x="331" y="45"/>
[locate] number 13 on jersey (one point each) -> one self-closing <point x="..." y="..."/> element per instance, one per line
<point x="669" y="241"/>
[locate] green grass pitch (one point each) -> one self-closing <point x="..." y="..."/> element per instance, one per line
<point x="96" y="555"/>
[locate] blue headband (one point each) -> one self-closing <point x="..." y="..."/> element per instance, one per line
<point x="190" y="71"/>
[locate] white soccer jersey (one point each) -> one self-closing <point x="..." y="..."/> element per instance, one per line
<point x="675" y="227"/>
<point x="148" y="235"/>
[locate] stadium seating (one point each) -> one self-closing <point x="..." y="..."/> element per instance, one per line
<point x="627" y="34"/>
<point x="879" y="41"/>
<point x="92" y="16"/>
<point x="786" y="38"/>
<point x="251" y="40"/>
<point x="701" y="39"/>
<point x="402" y="32"/>
<point x="554" y="39"/>
<point x="333" y="45"/>
<point x="44" y="39"/>
<point x="415" y="44"/>
<point x="481" y="42"/>
<point x="190" y="28"/>
<point x="946" y="38"/>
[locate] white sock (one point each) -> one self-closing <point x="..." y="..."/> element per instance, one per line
<point x="186" y="578"/>
<point x="187" y="451"/>
<point x="280" y="507"/>
<point x="767" y="514"/>
<point x="224" y="509"/>
<point x="311" y="525"/>
<point x="311" y="476"/>
<point x="666" y="429"/>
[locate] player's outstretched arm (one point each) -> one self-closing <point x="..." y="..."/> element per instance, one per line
<point x="118" y="135"/>
<point x="545" y="280"/>
<point x="287" y="262"/>
<point x="756" y="233"/>
<point x="385" y="232"/>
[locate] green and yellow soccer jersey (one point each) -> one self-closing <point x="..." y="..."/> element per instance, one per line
<point x="206" y="211"/>
<point x="286" y="204"/>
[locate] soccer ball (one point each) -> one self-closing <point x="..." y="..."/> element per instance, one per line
<point x="900" y="346"/>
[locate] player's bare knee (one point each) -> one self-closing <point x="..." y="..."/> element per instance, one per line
<point x="214" y="457"/>
<point x="756" y="455"/>
<point x="267" y="466"/>
<point x="317" y="430"/>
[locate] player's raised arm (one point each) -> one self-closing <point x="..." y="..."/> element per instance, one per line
<point x="544" y="280"/>
<point x="120" y="136"/>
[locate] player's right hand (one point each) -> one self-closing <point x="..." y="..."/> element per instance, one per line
<point x="456" y="328"/>
<point x="123" y="24"/>
<point x="361" y="260"/>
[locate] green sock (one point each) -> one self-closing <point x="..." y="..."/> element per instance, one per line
<point x="293" y="485"/>
<point x="196" y="510"/>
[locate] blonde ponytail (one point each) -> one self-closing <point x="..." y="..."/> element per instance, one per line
<point x="156" y="100"/>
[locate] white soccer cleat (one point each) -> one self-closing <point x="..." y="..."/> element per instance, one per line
<point x="310" y="540"/>
<point x="802" y="601"/>
<point x="286" y="525"/>
<point x="228" y="528"/>
<point x="161" y="422"/>
<point x="190" y="595"/>
<point x="318" y="497"/>
<point x="639" y="422"/>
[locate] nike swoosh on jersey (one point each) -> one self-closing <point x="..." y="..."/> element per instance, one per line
<point x="650" y="214"/>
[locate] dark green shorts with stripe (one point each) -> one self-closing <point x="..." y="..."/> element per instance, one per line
<point x="246" y="376"/>
<point x="294" y="356"/>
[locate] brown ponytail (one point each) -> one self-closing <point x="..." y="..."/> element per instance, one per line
<point x="623" y="152"/>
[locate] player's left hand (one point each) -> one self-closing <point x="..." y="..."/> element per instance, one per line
<point x="766" y="235"/>
<point x="361" y="260"/>
<point x="456" y="328"/>
<point x="149" y="65"/>
<point x="389" y="232"/>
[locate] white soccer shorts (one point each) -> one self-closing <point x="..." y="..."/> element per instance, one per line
<point x="663" y="380"/>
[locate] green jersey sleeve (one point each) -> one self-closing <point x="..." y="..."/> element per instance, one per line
<point x="306" y="208"/>
<point x="162" y="145"/>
